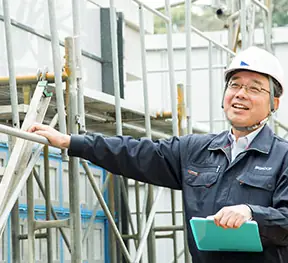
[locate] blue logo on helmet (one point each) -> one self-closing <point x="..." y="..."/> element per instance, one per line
<point x="243" y="64"/>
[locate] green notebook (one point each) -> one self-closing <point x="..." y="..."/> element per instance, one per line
<point x="210" y="237"/>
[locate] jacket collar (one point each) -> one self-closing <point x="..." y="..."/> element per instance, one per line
<point x="261" y="143"/>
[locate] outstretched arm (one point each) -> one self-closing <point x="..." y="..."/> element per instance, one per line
<point x="154" y="162"/>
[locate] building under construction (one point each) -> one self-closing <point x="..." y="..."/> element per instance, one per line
<point x="97" y="66"/>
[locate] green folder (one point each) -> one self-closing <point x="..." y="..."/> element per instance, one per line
<point x="210" y="237"/>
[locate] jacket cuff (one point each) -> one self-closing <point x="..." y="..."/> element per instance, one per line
<point x="257" y="213"/>
<point x="76" y="145"/>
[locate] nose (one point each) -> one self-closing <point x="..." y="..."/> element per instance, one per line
<point x="241" y="94"/>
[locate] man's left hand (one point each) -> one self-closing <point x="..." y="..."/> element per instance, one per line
<point x="233" y="216"/>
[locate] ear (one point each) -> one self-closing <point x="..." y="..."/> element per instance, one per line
<point x="276" y="103"/>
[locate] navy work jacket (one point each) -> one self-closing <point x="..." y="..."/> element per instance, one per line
<point x="200" y="166"/>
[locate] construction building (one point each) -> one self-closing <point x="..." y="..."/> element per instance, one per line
<point x="97" y="66"/>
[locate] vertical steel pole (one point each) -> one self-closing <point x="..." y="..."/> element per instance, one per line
<point x="57" y="65"/>
<point x="144" y="73"/>
<point x="74" y="199"/>
<point x="11" y="66"/>
<point x="137" y="202"/>
<point x="150" y="197"/>
<point x="211" y="91"/>
<point x="182" y="131"/>
<point x="15" y="122"/>
<point x="111" y="205"/>
<point x="269" y="22"/>
<point x="76" y="8"/>
<point x="48" y="203"/>
<point x="222" y="90"/>
<point x="30" y="220"/>
<point x="116" y="84"/>
<point x="243" y="24"/>
<point x="115" y="68"/>
<point x="173" y="92"/>
<point x="188" y="64"/>
<point x="173" y="213"/>
<point x="251" y="24"/>
<point x="173" y="89"/>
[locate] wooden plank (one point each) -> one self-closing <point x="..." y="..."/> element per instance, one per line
<point x="21" y="153"/>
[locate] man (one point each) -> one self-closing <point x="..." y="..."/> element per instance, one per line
<point x="237" y="175"/>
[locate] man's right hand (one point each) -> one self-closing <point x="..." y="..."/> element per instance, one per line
<point x="56" y="138"/>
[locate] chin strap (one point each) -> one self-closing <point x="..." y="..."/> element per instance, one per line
<point x="250" y="128"/>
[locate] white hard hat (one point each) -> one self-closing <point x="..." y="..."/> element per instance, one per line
<point x="258" y="60"/>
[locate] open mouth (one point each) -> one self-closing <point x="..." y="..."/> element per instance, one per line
<point x="239" y="106"/>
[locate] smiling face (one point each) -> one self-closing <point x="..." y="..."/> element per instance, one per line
<point x="244" y="107"/>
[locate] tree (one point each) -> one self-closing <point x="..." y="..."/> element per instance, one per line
<point x="207" y="20"/>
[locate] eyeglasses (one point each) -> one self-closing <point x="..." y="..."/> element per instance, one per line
<point x="254" y="89"/>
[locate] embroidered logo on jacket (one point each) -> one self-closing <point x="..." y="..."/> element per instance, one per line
<point x="264" y="168"/>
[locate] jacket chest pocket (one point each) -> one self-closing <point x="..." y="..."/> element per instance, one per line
<point x="199" y="183"/>
<point x="256" y="189"/>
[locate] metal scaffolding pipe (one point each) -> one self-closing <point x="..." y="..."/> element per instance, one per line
<point x="52" y="224"/>
<point x="185" y="69"/>
<point x="74" y="198"/>
<point x="173" y="215"/>
<point x="269" y="26"/>
<point x="37" y="236"/>
<point x="182" y="131"/>
<point x="22" y="134"/>
<point x="106" y="210"/>
<point x="125" y="197"/>
<point x="137" y="204"/>
<point x="188" y="65"/>
<point x="243" y="24"/>
<point x="168" y="228"/>
<point x="211" y="89"/>
<point x="261" y="5"/>
<point x="31" y="79"/>
<point x="144" y="73"/>
<point x="30" y="219"/>
<point x="173" y="89"/>
<point x="76" y="8"/>
<point x="280" y="124"/>
<point x="94" y="212"/>
<point x="57" y="65"/>
<point x="153" y="11"/>
<point x="41" y="187"/>
<point x="178" y="256"/>
<point x="140" y="129"/>
<point x="15" y="121"/>
<point x="11" y="66"/>
<point x="148" y="226"/>
<point x="116" y="88"/>
<point x="201" y="34"/>
<point x="115" y="68"/>
<point x="48" y="203"/>
<point x="45" y="36"/>
<point x="111" y="206"/>
<point x="143" y="211"/>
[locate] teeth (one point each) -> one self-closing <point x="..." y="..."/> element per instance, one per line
<point x="239" y="106"/>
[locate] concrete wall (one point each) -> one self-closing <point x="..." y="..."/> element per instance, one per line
<point x="158" y="83"/>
